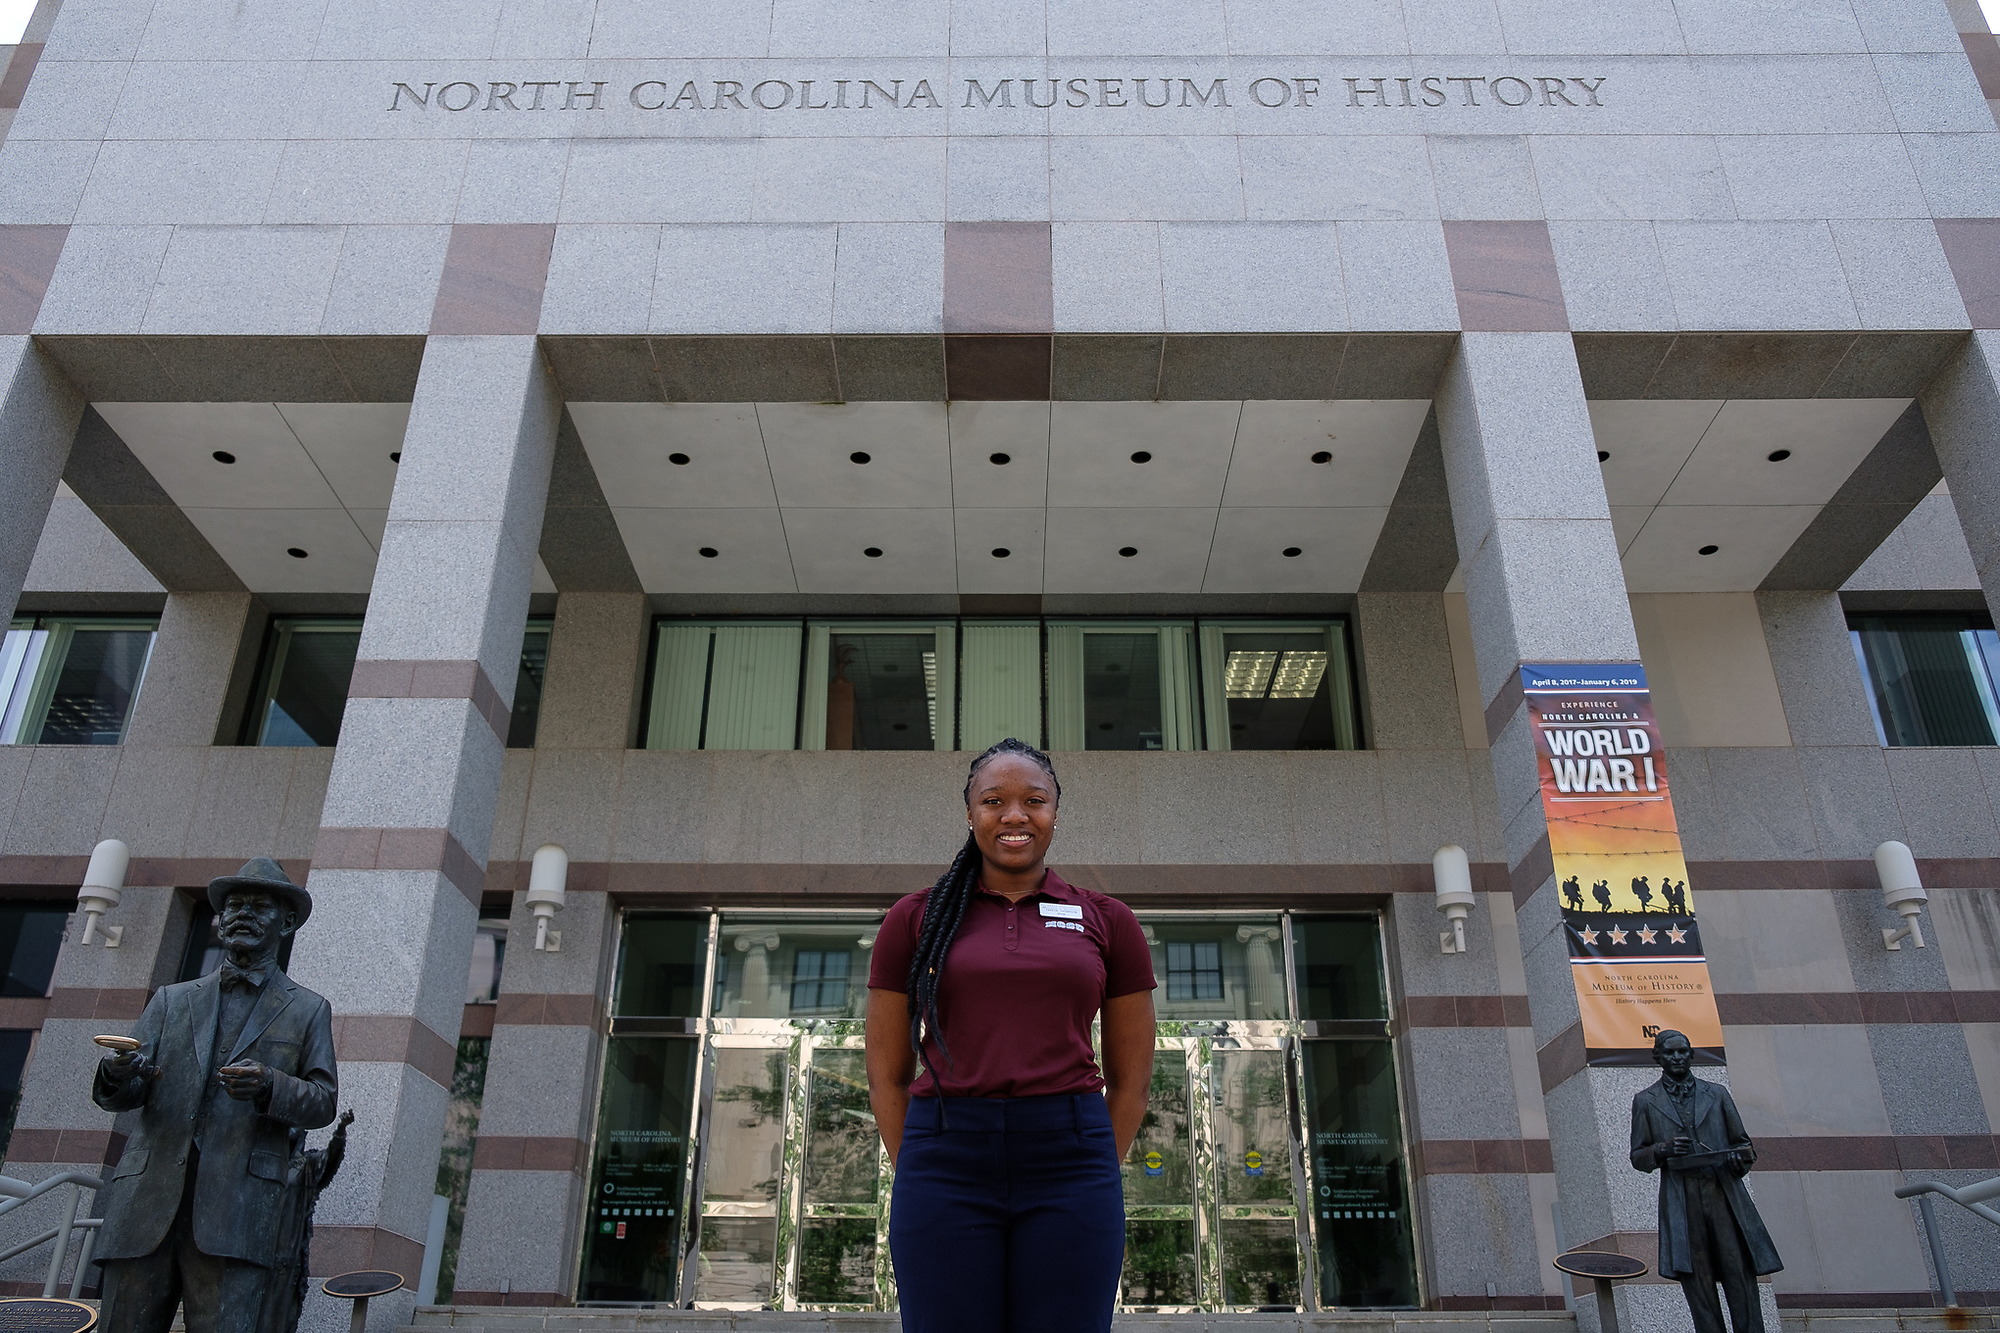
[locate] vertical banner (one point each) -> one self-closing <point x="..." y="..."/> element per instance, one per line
<point x="1635" y="951"/>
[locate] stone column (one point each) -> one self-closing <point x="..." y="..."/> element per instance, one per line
<point x="524" y="1203"/>
<point x="1962" y="409"/>
<point x="1543" y="583"/>
<point x="195" y="658"/>
<point x="400" y="861"/>
<point x="39" y="411"/>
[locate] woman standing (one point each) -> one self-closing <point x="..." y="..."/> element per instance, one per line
<point x="1007" y="1214"/>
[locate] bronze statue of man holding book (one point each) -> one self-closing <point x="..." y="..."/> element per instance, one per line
<point x="1688" y="1129"/>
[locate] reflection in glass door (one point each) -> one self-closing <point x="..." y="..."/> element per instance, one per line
<point x="737" y="1164"/>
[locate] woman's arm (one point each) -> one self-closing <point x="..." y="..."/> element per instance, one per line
<point x="892" y="1065"/>
<point x="1128" y="1063"/>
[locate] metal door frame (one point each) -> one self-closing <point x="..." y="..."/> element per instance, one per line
<point x="1195" y="1041"/>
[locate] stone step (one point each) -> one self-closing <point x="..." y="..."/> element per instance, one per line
<point x="1964" y="1319"/>
<point x="486" y="1319"/>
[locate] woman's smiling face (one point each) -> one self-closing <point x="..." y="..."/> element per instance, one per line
<point x="1012" y="810"/>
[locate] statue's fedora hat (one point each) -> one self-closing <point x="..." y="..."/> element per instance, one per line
<point x="267" y="875"/>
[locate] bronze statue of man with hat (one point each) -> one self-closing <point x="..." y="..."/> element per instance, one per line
<point x="227" y="1068"/>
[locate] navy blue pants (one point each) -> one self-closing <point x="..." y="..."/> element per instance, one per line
<point x="1007" y="1215"/>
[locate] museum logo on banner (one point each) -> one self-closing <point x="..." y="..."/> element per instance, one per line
<point x="1634" y="946"/>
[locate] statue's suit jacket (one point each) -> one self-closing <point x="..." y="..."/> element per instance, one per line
<point x="1656" y="1123"/>
<point x="245" y="1151"/>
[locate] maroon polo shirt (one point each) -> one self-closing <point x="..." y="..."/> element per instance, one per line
<point x="1021" y="985"/>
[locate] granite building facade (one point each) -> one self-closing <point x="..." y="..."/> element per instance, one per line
<point x="438" y="429"/>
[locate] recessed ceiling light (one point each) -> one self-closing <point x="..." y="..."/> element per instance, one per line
<point x="857" y="457"/>
<point x="1603" y="455"/>
<point x="873" y="553"/>
<point x="1001" y="553"/>
<point x="1000" y="460"/>
<point x="678" y="460"/>
<point x="1322" y="457"/>
<point x="1128" y="551"/>
<point x="709" y="553"/>
<point x="395" y="455"/>
<point x="295" y="553"/>
<point x="1708" y="550"/>
<point x="1142" y="457"/>
<point x="1291" y="551"/>
<point x="223" y="456"/>
<point x="1777" y="455"/>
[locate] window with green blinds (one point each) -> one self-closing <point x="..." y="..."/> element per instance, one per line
<point x="728" y="686"/>
<point x="1070" y="684"/>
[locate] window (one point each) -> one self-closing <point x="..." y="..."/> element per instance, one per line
<point x="31" y="936"/>
<point x="528" y="685"/>
<point x="782" y="967"/>
<point x="1194" y="970"/>
<point x="725" y="687"/>
<point x="1930" y="677"/>
<point x="878" y="687"/>
<point x="71" y="681"/>
<point x="302" y="688"/>
<point x="1277" y="687"/>
<point x="1063" y="684"/>
<point x="1121" y="687"/>
<point x="819" y="979"/>
<point x="1211" y="968"/>
<point x="1000" y="671"/>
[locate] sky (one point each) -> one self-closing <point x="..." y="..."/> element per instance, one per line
<point x="14" y="17"/>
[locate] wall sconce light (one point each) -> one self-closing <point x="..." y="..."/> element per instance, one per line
<point x="102" y="883"/>
<point x="1902" y="891"/>
<point x="1451" y="872"/>
<point x="548" y="893"/>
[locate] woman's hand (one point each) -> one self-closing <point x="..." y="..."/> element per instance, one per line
<point x="892" y="1065"/>
<point x="1128" y="1063"/>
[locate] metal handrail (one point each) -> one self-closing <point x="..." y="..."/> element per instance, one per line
<point x="21" y="1192"/>
<point x="1972" y="1198"/>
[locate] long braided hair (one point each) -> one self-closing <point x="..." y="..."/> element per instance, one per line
<point x="945" y="908"/>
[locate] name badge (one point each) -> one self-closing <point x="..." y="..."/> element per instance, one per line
<point x="1064" y="911"/>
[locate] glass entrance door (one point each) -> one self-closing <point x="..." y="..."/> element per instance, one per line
<point x="737" y="1164"/>
<point x="1212" y="1186"/>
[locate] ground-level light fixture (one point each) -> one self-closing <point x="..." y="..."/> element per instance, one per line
<point x="1902" y="891"/>
<point x="103" y="881"/>
<point x="548" y="893"/>
<point x="1451" y="874"/>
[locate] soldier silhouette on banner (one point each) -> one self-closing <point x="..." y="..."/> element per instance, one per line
<point x="1601" y="891"/>
<point x="1643" y="892"/>
<point x="1573" y="894"/>
<point x="1676" y="896"/>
